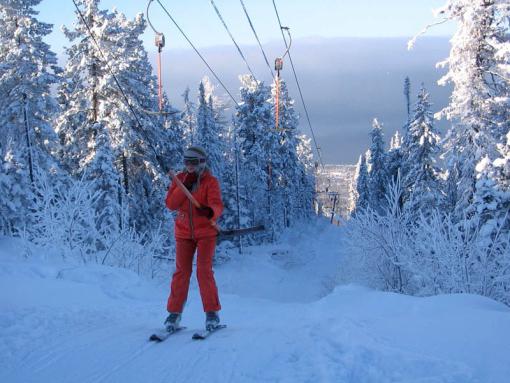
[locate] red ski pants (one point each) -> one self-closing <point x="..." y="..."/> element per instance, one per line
<point x="185" y="250"/>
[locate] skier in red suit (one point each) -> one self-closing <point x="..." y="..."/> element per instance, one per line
<point x="195" y="230"/>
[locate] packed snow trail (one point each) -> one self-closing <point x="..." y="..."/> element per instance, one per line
<point x="286" y="323"/>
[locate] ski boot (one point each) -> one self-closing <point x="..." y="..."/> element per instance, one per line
<point x="212" y="320"/>
<point x="172" y="322"/>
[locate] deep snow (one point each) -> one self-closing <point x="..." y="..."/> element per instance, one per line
<point x="287" y="322"/>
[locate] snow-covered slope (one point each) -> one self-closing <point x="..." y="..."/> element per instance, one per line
<point x="287" y="322"/>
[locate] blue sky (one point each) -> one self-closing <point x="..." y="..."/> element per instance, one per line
<point x="306" y="18"/>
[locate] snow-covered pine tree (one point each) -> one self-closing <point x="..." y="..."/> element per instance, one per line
<point x="257" y="138"/>
<point x="150" y="143"/>
<point x="394" y="157"/>
<point x="16" y="193"/>
<point x="210" y="133"/>
<point x="235" y="212"/>
<point x="188" y="118"/>
<point x="92" y="101"/>
<point x="492" y="199"/>
<point x="378" y="175"/>
<point x="477" y="68"/>
<point x="421" y="187"/>
<point x="306" y="195"/>
<point x="28" y="70"/>
<point x="80" y="90"/>
<point x="289" y="173"/>
<point x="99" y="169"/>
<point x="359" y="188"/>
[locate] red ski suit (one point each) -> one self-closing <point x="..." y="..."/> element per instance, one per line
<point x="192" y="232"/>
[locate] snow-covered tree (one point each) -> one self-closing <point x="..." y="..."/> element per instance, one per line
<point x="394" y="157"/>
<point x="99" y="169"/>
<point x="188" y="118"/>
<point x="210" y="133"/>
<point x="28" y="70"/>
<point x="17" y="194"/>
<point x="287" y="170"/>
<point x="359" y="193"/>
<point x="478" y="69"/>
<point x="235" y="211"/>
<point x="421" y="147"/>
<point x="93" y="102"/>
<point x="306" y="194"/>
<point x="378" y="175"/>
<point x="257" y="140"/>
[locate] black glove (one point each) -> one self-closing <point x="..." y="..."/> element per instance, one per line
<point x="205" y="211"/>
<point x="190" y="180"/>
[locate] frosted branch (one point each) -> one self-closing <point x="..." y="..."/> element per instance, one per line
<point x="410" y="43"/>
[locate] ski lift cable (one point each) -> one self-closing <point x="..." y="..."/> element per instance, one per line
<point x="232" y="38"/>
<point x="299" y="88"/>
<point x="257" y="38"/>
<point x="126" y="99"/>
<point x="197" y="52"/>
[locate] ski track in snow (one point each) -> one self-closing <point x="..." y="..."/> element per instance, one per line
<point x="286" y="323"/>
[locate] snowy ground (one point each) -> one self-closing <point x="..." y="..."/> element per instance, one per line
<point x="287" y="322"/>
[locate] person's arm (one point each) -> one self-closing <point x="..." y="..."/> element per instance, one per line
<point x="214" y="198"/>
<point x="175" y="197"/>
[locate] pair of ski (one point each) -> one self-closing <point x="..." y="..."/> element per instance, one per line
<point x="200" y="335"/>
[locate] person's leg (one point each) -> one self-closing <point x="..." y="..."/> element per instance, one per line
<point x="185" y="249"/>
<point x="205" y="274"/>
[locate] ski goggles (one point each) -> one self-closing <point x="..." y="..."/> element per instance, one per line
<point x="193" y="161"/>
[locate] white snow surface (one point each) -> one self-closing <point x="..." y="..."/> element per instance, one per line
<point x="287" y="322"/>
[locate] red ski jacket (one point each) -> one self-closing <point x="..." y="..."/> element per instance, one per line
<point x="188" y="224"/>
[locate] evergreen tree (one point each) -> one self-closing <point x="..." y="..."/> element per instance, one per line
<point x="16" y="193"/>
<point x="394" y="158"/>
<point x="287" y="170"/>
<point x="28" y="70"/>
<point x="359" y="195"/>
<point x="93" y="104"/>
<point x="306" y="193"/>
<point x="209" y="134"/>
<point x="420" y="180"/>
<point x="492" y="197"/>
<point x="256" y="140"/>
<point x="477" y="67"/>
<point x="188" y="118"/>
<point x="99" y="168"/>
<point x="234" y="207"/>
<point x="378" y="176"/>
